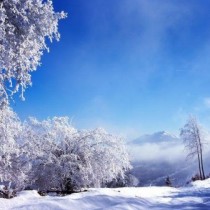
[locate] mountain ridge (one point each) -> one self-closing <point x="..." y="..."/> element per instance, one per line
<point x="157" y="137"/>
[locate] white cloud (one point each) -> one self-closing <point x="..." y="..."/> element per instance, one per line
<point x="167" y="152"/>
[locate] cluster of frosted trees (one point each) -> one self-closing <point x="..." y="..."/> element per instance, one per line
<point x="51" y="154"/>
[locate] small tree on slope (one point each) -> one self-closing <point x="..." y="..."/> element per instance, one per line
<point x="193" y="139"/>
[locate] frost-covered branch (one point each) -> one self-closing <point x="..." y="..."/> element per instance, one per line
<point x="24" y="27"/>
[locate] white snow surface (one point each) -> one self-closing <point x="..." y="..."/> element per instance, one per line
<point x="195" y="196"/>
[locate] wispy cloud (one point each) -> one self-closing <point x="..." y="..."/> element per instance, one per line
<point x="206" y="102"/>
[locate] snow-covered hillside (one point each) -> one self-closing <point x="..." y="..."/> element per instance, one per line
<point x="196" y="196"/>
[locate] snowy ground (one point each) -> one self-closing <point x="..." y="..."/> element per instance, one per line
<point x="196" y="196"/>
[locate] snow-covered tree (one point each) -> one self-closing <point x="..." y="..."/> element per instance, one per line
<point x="193" y="138"/>
<point x="12" y="164"/>
<point x="66" y="159"/>
<point x="51" y="164"/>
<point x="24" y="27"/>
<point x="108" y="156"/>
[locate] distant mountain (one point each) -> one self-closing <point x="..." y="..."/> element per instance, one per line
<point x="158" y="137"/>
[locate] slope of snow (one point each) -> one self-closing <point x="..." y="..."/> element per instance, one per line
<point x="196" y="196"/>
<point x="201" y="184"/>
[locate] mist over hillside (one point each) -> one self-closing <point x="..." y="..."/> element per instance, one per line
<point x="161" y="154"/>
<point x="157" y="147"/>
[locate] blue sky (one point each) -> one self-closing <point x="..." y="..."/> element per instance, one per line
<point x="130" y="66"/>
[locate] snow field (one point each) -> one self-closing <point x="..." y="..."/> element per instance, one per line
<point x="196" y="196"/>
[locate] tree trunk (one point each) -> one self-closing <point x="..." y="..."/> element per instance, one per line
<point x="202" y="168"/>
<point x="199" y="163"/>
<point x="201" y="154"/>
